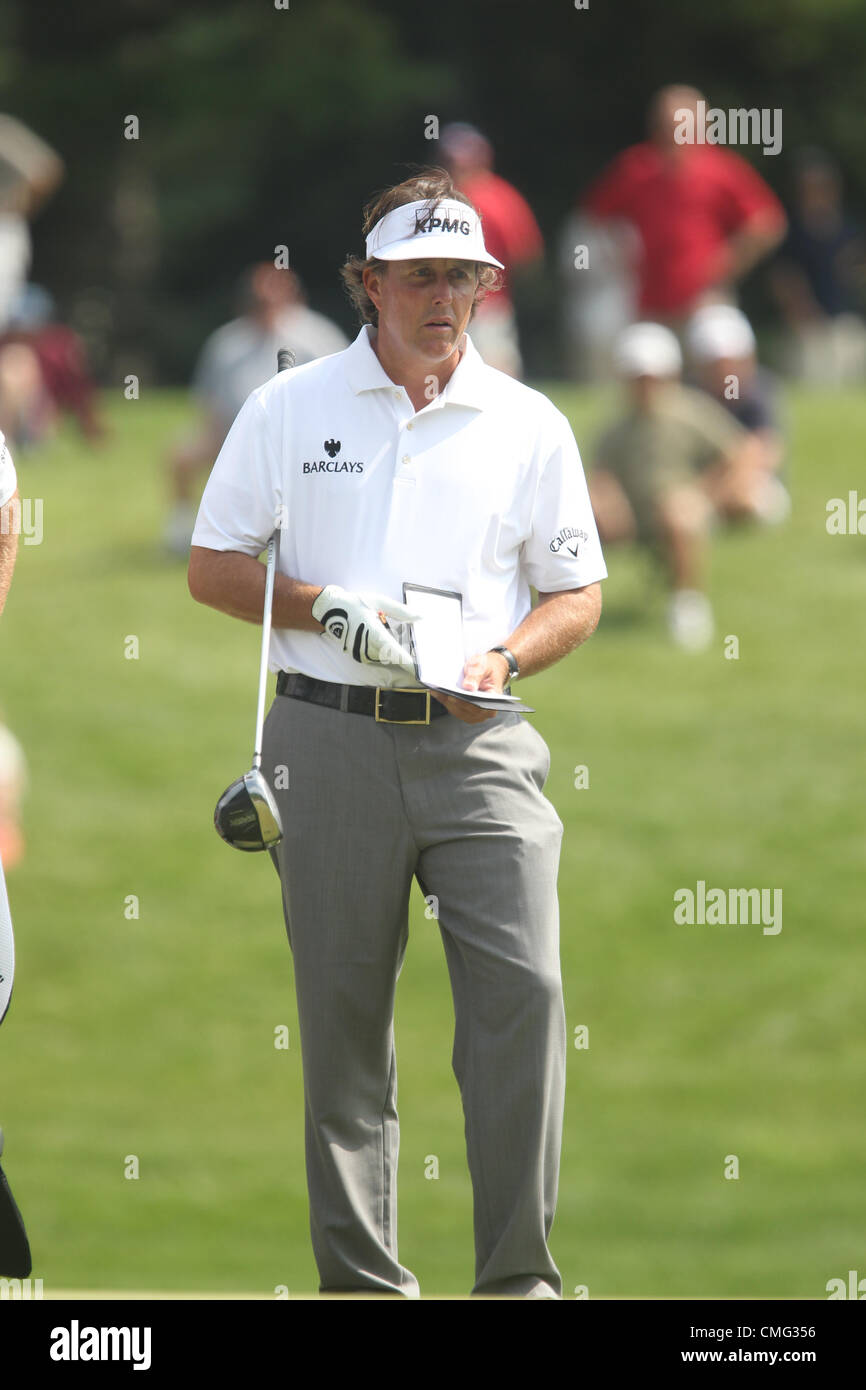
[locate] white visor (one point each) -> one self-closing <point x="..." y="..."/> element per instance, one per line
<point x="451" y="232"/>
<point x="718" y="331"/>
<point x="648" y="349"/>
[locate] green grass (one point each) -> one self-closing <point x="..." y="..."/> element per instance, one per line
<point x="154" y="1036"/>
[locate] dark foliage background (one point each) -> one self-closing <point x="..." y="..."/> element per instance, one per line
<point x="262" y="126"/>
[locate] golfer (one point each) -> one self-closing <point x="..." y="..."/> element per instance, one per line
<point x="405" y="459"/>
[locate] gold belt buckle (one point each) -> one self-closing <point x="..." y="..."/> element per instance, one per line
<point x="401" y="690"/>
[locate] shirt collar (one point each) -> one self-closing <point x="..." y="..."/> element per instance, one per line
<point x="466" y="386"/>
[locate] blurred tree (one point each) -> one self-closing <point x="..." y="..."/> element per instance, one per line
<point x="256" y="127"/>
<point x="262" y="126"/>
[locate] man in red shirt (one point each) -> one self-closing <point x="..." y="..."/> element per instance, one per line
<point x="704" y="216"/>
<point x="511" y="234"/>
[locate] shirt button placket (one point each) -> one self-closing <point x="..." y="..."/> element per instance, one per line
<point x="406" y="459"/>
<point x="403" y="460"/>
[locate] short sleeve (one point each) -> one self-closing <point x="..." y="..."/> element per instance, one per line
<point x="563" y="550"/>
<point x="207" y="376"/>
<point x="243" y="496"/>
<point x="757" y="412"/>
<point x="8" y="477"/>
<point x="744" y="193"/>
<point x="311" y="335"/>
<point x="607" y="454"/>
<point x="520" y="230"/>
<point x="715" y="431"/>
<point x="610" y="193"/>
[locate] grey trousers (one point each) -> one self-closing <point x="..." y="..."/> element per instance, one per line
<point x="461" y="808"/>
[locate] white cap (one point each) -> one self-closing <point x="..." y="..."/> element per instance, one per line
<point x="720" y="330"/>
<point x="648" y="349"/>
<point x="444" y="231"/>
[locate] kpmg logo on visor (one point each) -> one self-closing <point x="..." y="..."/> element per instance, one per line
<point x="429" y="222"/>
<point x="447" y="229"/>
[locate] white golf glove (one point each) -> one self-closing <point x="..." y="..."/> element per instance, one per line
<point x="353" y="622"/>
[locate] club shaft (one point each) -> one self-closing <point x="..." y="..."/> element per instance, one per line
<point x="285" y="361"/>
<point x="273" y="545"/>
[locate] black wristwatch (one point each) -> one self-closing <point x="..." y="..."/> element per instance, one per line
<point x="513" y="668"/>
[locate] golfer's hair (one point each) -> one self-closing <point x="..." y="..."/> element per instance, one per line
<point x="430" y="185"/>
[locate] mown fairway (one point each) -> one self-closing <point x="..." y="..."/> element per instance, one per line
<point x="154" y="1036"/>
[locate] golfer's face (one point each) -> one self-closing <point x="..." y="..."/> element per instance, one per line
<point x="424" y="306"/>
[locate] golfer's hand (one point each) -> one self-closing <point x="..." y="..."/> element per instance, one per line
<point x="489" y="671"/>
<point x="356" y="622"/>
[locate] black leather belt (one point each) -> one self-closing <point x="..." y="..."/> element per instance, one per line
<point x="387" y="706"/>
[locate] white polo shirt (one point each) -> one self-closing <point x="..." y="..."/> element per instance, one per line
<point x="8" y="479"/>
<point x="482" y="492"/>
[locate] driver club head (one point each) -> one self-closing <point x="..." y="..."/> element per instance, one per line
<point x="246" y="815"/>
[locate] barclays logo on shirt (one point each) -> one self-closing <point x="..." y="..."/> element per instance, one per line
<point x="330" y="465"/>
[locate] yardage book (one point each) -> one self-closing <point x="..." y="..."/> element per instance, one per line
<point x="437" y="648"/>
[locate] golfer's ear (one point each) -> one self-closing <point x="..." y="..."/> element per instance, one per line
<point x="372" y="281"/>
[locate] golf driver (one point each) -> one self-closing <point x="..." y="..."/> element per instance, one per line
<point x="246" y="815"/>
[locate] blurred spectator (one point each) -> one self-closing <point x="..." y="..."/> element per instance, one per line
<point x="235" y="360"/>
<point x="723" y="352"/>
<point x="10" y="502"/>
<point x="511" y="234"/>
<point x="29" y="172"/>
<point x="13" y="778"/>
<point x="670" y="463"/>
<point x="597" y="271"/>
<point x="704" y="216"/>
<point x="818" y="278"/>
<point x="43" y="371"/>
